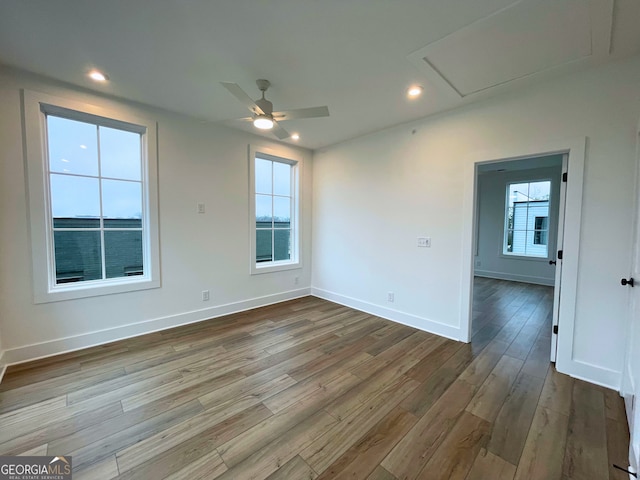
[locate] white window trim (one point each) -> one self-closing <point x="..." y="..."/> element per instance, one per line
<point x="45" y="290"/>
<point x="518" y="256"/>
<point x="295" y="262"/>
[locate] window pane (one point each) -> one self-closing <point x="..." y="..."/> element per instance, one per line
<point x="73" y="146"/>
<point x="281" y="212"/>
<point x="263" y="211"/>
<point x="281" y="178"/>
<point x="74" y="198"/>
<point x="263" y="176"/>
<point x="263" y="245"/>
<point x="282" y="244"/>
<point x="509" y="241"/>
<point x="78" y="257"/>
<point x="520" y="211"/>
<point x="518" y="192"/>
<point x="120" y="154"/>
<point x="540" y="190"/>
<point x="123" y="253"/>
<point x="519" y="245"/>
<point x="122" y="200"/>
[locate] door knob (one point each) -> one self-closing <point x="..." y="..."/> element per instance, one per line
<point x="552" y="262"/>
<point x="625" y="282"/>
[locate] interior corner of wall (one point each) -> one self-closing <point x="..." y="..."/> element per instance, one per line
<point x="3" y="366"/>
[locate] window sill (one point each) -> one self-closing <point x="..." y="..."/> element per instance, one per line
<point x="58" y="294"/>
<point x="274" y="267"/>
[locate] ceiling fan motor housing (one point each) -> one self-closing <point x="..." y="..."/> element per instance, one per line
<point x="265" y="105"/>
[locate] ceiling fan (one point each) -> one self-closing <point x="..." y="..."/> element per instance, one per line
<point x="263" y="116"/>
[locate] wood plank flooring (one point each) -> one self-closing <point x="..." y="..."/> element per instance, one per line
<point x="309" y="389"/>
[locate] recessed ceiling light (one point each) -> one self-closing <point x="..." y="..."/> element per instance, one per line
<point x="98" y="76"/>
<point x="414" y="91"/>
<point x="295" y="136"/>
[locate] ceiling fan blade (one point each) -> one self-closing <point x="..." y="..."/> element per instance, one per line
<point x="240" y="94"/>
<point x="310" y="112"/>
<point x="280" y="132"/>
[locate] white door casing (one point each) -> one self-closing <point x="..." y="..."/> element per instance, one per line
<point x="558" y="279"/>
<point x="575" y="148"/>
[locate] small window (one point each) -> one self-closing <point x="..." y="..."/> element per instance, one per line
<point x="275" y="207"/>
<point x="541" y="231"/>
<point x="527" y="219"/>
<point x="93" y="202"/>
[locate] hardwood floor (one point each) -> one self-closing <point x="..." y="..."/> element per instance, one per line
<point x="309" y="389"/>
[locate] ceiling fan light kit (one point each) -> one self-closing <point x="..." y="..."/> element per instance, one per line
<point x="263" y="122"/>
<point x="263" y="116"/>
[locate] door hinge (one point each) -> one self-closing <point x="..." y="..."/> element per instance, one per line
<point x="555" y="329"/>
<point x="564" y="176"/>
<point x="559" y="254"/>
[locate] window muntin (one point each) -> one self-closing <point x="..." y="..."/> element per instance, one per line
<point x="527" y="219"/>
<point x="274" y="211"/>
<point x="95" y="197"/>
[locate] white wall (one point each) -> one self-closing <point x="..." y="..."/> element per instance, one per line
<point x="489" y="261"/>
<point x="374" y="195"/>
<point x="198" y="162"/>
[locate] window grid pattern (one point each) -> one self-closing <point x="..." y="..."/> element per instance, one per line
<point x="274" y="207"/>
<point x="93" y="246"/>
<point x="527" y="219"/>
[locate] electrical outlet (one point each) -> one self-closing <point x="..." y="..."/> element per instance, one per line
<point x="296" y="280"/>
<point x="424" y="241"/>
<point x="200" y="208"/>
<point x="205" y="295"/>
<point x="390" y="297"/>
<point x="478" y="263"/>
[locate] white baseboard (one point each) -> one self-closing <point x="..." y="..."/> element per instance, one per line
<point x="550" y="282"/>
<point x="397" y="316"/>
<point x="78" y="342"/>
<point x="593" y="374"/>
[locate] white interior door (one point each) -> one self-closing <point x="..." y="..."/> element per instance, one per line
<point x="558" y="260"/>
<point x="631" y="375"/>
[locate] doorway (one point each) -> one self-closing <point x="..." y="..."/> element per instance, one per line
<point x="575" y="148"/>
<point x="519" y="214"/>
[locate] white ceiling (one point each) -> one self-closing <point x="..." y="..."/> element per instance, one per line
<point x="356" y="56"/>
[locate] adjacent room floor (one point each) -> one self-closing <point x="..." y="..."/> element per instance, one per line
<point x="311" y="389"/>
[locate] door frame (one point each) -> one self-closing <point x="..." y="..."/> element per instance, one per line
<point x="576" y="150"/>
<point x="562" y="202"/>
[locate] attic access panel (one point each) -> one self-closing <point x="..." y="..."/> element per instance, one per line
<point x="522" y="40"/>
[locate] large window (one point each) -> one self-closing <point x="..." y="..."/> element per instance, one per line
<point x="527" y="219"/>
<point x="95" y="195"/>
<point x="93" y="207"/>
<point x="275" y="207"/>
